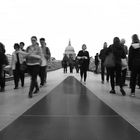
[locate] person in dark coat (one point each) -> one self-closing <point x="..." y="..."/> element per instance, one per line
<point x="3" y="62"/>
<point x="96" y="62"/>
<point x="71" y="63"/>
<point x="84" y="58"/>
<point x="65" y="63"/>
<point x="134" y="62"/>
<point x="77" y="65"/>
<point x="102" y="56"/>
<point x="115" y="72"/>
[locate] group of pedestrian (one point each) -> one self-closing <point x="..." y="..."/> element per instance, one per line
<point x="121" y="61"/>
<point x="81" y="63"/>
<point x="36" y="60"/>
<point x="32" y="60"/>
<point x="69" y="61"/>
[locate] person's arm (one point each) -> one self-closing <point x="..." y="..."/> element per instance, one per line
<point x="25" y="54"/>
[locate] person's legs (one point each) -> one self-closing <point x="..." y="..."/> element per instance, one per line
<point x="16" y="78"/>
<point x="81" y="73"/>
<point x="22" y="76"/>
<point x="45" y="76"/>
<point x="107" y="75"/>
<point x="42" y="73"/>
<point x="124" y="76"/>
<point x="85" y="75"/>
<point x="111" y="74"/>
<point x="34" y="71"/>
<point x="119" y="79"/>
<point x="133" y="81"/>
<point x="102" y="72"/>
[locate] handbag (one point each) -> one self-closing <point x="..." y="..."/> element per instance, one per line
<point x="23" y="66"/>
<point x="109" y="60"/>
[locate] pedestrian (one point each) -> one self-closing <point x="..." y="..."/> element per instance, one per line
<point x="83" y="56"/>
<point x="124" y="67"/>
<point x="42" y="72"/>
<point x="48" y="58"/>
<point x="77" y="65"/>
<point x="71" y="63"/>
<point x="96" y="62"/>
<point x="65" y="63"/>
<point x="134" y="62"/>
<point x="3" y="63"/>
<point x="33" y="61"/>
<point x="23" y="65"/>
<point x="15" y="65"/>
<point x="115" y="71"/>
<point x="102" y="56"/>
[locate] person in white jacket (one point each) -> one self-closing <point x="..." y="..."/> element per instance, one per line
<point x="16" y="62"/>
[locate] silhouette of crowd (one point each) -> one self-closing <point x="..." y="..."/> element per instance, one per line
<point x="115" y="61"/>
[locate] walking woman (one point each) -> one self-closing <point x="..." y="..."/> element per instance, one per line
<point x="33" y="60"/>
<point x="115" y="72"/>
<point x="134" y="62"/>
<point x="83" y="57"/>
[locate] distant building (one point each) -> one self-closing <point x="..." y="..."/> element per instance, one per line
<point x="69" y="51"/>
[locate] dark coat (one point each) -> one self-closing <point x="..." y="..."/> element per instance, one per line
<point x="118" y="52"/>
<point x="134" y="56"/>
<point x="84" y="63"/>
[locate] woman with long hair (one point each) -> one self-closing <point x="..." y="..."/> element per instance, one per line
<point x="115" y="72"/>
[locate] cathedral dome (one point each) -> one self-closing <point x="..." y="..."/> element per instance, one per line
<point x="69" y="51"/>
<point x="69" y="48"/>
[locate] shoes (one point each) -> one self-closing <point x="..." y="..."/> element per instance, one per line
<point x="15" y="87"/>
<point x="122" y="91"/>
<point x="30" y="95"/>
<point x="132" y="94"/>
<point x="36" y="91"/>
<point x="102" y="82"/>
<point x="84" y="83"/>
<point x="113" y="92"/>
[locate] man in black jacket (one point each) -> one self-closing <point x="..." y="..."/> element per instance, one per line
<point x="102" y="56"/>
<point x="134" y="62"/>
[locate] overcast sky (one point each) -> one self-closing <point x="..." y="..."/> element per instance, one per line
<point x="82" y="21"/>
